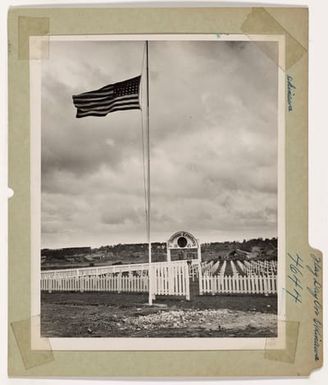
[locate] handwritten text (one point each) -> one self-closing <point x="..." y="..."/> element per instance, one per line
<point x="295" y="277"/>
<point x="315" y="292"/>
<point x="290" y="92"/>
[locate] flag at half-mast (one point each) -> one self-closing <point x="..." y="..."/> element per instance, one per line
<point x="113" y="97"/>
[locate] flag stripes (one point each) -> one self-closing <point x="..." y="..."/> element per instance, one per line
<point x="105" y="103"/>
<point x="101" y="113"/>
<point x="113" y="97"/>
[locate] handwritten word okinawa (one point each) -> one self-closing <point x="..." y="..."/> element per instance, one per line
<point x="290" y="92"/>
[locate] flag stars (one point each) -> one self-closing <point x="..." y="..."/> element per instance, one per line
<point x="127" y="88"/>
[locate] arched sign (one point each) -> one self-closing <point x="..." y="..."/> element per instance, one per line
<point x="183" y="241"/>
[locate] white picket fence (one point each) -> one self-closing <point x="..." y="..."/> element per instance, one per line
<point x="171" y="279"/>
<point x="168" y="278"/>
<point x="237" y="284"/>
<point x="111" y="283"/>
<point x="95" y="271"/>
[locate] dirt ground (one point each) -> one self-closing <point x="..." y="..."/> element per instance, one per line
<point x="103" y="314"/>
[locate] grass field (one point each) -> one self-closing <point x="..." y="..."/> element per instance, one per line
<point x="103" y="314"/>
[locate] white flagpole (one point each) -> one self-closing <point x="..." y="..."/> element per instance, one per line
<point x="150" y="299"/>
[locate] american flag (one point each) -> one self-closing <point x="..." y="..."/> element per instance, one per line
<point x="114" y="97"/>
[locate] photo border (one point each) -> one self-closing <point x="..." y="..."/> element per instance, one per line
<point x="39" y="50"/>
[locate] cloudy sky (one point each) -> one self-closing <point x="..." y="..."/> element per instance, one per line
<point x="213" y="127"/>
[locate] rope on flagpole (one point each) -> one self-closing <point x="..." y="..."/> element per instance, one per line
<point x="150" y="300"/>
<point x="143" y="144"/>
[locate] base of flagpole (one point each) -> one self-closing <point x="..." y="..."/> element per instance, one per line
<point x="151" y="299"/>
<point x="157" y="305"/>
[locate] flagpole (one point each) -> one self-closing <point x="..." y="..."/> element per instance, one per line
<point x="150" y="299"/>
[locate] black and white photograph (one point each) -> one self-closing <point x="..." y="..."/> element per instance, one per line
<point x="159" y="193"/>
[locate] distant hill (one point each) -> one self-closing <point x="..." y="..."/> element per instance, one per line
<point x="138" y="253"/>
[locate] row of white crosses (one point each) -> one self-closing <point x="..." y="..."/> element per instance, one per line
<point x="234" y="269"/>
<point x="261" y="267"/>
<point x="223" y="267"/>
<point x="215" y="267"/>
<point x="210" y="268"/>
<point x="269" y="267"/>
<point x="246" y="267"/>
<point x="241" y="266"/>
<point x="207" y="266"/>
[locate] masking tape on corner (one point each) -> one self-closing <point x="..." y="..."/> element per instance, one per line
<point x="33" y="38"/>
<point x="31" y="358"/>
<point x="288" y="354"/>
<point x="260" y="21"/>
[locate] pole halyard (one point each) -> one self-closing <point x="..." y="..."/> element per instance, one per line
<point x="150" y="299"/>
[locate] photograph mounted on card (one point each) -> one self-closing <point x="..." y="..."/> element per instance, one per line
<point x="150" y="154"/>
<point x="165" y="187"/>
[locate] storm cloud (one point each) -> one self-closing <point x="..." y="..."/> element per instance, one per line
<point x="213" y="130"/>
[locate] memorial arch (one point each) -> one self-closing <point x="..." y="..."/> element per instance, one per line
<point x="184" y="241"/>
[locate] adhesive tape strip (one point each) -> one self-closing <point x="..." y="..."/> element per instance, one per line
<point x="29" y="27"/>
<point x="31" y="358"/>
<point x="260" y="21"/>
